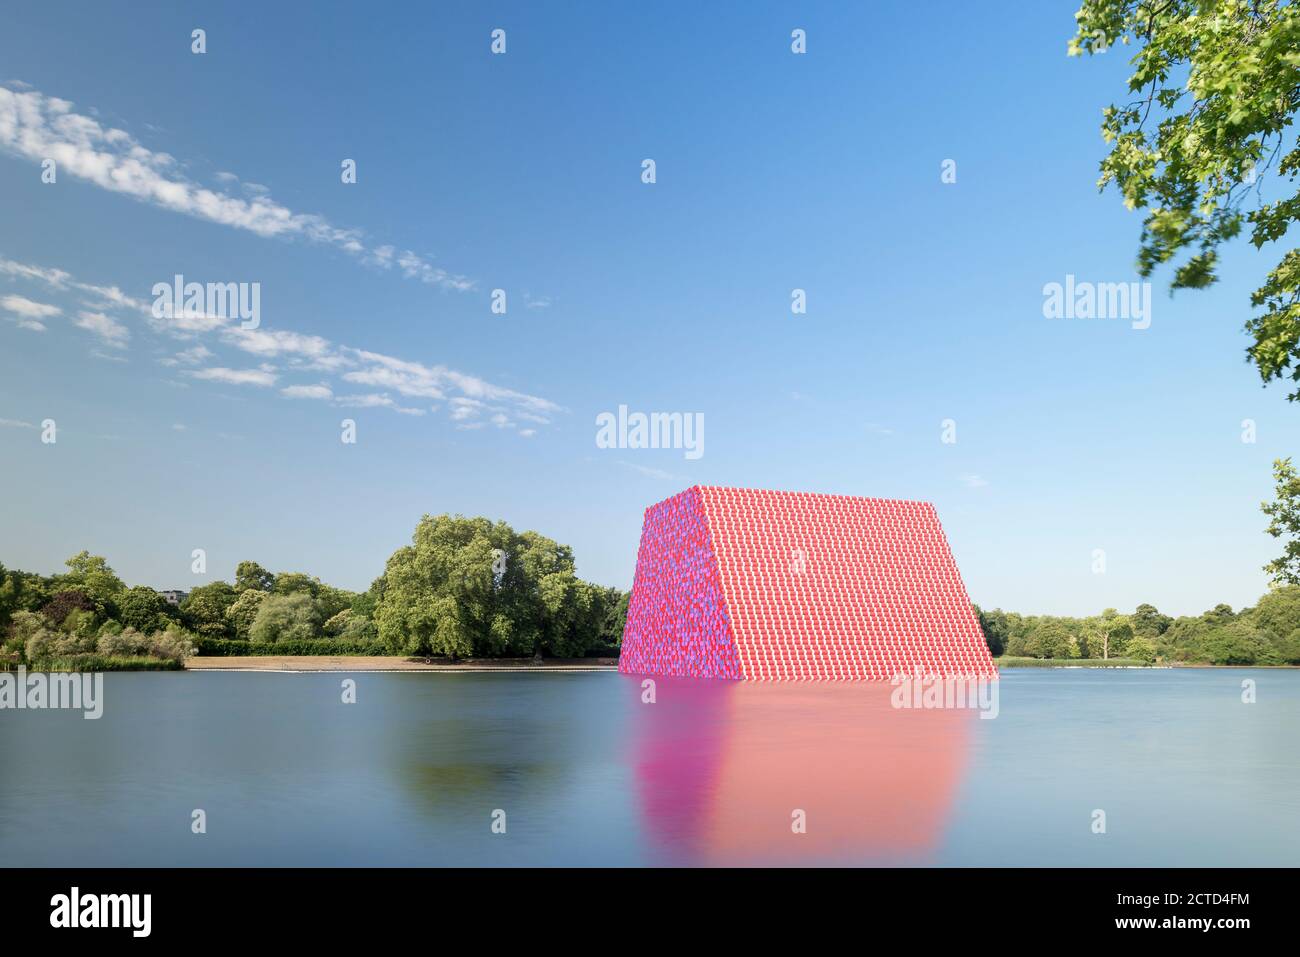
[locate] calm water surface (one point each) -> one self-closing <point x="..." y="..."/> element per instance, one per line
<point x="709" y="774"/>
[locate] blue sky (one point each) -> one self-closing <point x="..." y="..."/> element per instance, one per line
<point x="522" y="172"/>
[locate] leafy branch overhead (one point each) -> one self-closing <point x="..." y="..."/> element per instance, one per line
<point x="1284" y="522"/>
<point x="1216" y="85"/>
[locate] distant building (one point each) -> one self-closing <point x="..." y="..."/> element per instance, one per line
<point x="174" y="596"/>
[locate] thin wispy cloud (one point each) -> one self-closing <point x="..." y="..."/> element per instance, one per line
<point x="188" y="357"/>
<point x="57" y="279"/>
<point x="653" y="473"/>
<point x="27" y="313"/>
<point x="307" y="392"/>
<point x="384" y="381"/>
<point x="256" y="377"/>
<point x="38" y="127"/>
<point x="16" y="424"/>
<point x="26" y="307"/>
<point x="973" y="481"/>
<point x="109" y="331"/>
<point x="274" y="343"/>
<point x="368" y="401"/>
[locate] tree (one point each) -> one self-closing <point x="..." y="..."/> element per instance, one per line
<point x="1109" y="634"/>
<point x="22" y="626"/>
<point x="1051" y="639"/>
<point x="333" y="600"/>
<point x="92" y="573"/>
<point x="286" y="618"/>
<point x="204" y="609"/>
<point x="1147" y="621"/>
<point x="1141" y="649"/>
<point x="243" y="611"/>
<point x="615" y="622"/>
<point x="470" y="586"/>
<point x="1220" y="614"/>
<point x="1284" y="522"/>
<point x="350" y="626"/>
<point x="20" y="591"/>
<point x="289" y="583"/>
<point x="996" y="629"/>
<point x="70" y="601"/>
<point x="1235" y="643"/>
<point x="144" y="609"/>
<point x="1182" y="640"/>
<point x="1277" y="617"/>
<point x="251" y="575"/>
<point x="1216" y="86"/>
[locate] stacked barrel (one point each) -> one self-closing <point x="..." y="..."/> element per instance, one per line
<point x="677" y="621"/>
<point x="773" y="585"/>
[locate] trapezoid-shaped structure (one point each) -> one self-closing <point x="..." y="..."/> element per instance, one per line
<point x="745" y="583"/>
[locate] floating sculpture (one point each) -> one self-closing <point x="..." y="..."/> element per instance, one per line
<point x="763" y="585"/>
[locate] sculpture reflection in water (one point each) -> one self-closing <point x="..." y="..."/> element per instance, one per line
<point x="727" y="771"/>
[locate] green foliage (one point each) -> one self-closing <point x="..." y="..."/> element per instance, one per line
<point x="319" y="646"/>
<point x="293" y="583"/>
<point x="1108" y="634"/>
<point x="92" y="573"/>
<point x="439" y="596"/>
<point x="1215" y="85"/>
<point x="1284" y="522"/>
<point x="615" y="620"/>
<point x="20" y="591"/>
<point x="126" y="643"/>
<point x="204" y="609"/>
<point x="1141" y="648"/>
<point x="1050" y="638"/>
<point x="1277" y="619"/>
<point x="333" y="600"/>
<point x="144" y="609"/>
<point x="471" y="587"/>
<point x="250" y="575"/>
<point x="1147" y="622"/>
<point x="171" y="645"/>
<point x="75" y="603"/>
<point x="996" y="628"/>
<point x="45" y="644"/>
<point x="288" y="617"/>
<point x="1278" y="613"/>
<point x="350" y="626"/>
<point x="98" y="662"/>
<point x="1235" y="643"/>
<point x="1009" y="661"/>
<point x="243" y="611"/>
<point x="38" y="645"/>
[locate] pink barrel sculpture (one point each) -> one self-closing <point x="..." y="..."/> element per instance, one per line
<point x="764" y="585"/>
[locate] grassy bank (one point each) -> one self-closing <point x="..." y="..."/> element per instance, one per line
<point x="1008" y="661"/>
<point x="99" y="663"/>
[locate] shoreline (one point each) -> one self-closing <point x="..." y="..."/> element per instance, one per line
<point x="306" y="664"/>
<point x="395" y="663"/>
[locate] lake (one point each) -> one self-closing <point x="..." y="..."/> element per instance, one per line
<point x="710" y="773"/>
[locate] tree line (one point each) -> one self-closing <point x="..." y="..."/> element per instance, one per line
<point x="474" y="588"/>
<point x="465" y="587"/>
<point x="1266" y="634"/>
